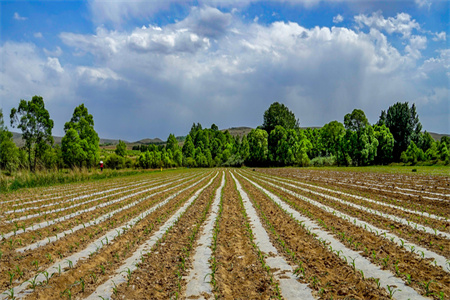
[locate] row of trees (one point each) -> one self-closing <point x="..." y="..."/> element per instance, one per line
<point x="279" y="141"/>
<point x="79" y="146"/>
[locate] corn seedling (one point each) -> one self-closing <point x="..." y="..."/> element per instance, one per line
<point x="392" y="291"/>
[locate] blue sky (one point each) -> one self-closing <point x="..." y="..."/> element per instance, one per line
<point x="146" y="69"/>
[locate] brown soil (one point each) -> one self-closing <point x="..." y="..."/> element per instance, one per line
<point x="387" y="254"/>
<point x="159" y="275"/>
<point x="109" y="256"/>
<point x="239" y="274"/>
<point x="435" y="243"/>
<point x="325" y="273"/>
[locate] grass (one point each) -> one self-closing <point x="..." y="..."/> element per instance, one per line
<point x="439" y="170"/>
<point x="26" y="179"/>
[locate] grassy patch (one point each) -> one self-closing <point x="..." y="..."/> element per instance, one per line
<point x="439" y="170"/>
<point x="47" y="178"/>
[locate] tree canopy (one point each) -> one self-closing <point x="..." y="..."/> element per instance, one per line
<point x="82" y="147"/>
<point x="403" y="123"/>
<point x="279" y="114"/>
<point x="33" y="119"/>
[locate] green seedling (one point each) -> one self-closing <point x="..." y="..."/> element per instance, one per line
<point x="392" y="291"/>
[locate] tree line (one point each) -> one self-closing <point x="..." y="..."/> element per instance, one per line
<point x="279" y="141"/>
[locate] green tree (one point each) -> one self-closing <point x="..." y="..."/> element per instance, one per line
<point x="413" y="154"/>
<point x="279" y="114"/>
<point x="83" y="123"/>
<point x="121" y="148"/>
<point x="300" y="148"/>
<point x="403" y="123"/>
<point x="427" y="141"/>
<point x="214" y="127"/>
<point x="385" y="144"/>
<point x="356" y="120"/>
<point x="178" y="157"/>
<point x="446" y="140"/>
<point x="244" y="149"/>
<point x="443" y="152"/>
<point x="258" y="147"/>
<point x="361" y="142"/>
<point x="9" y="154"/>
<point x="432" y="153"/>
<point x="72" y="149"/>
<point x="33" y="119"/>
<point x="331" y="136"/>
<point x="188" y="147"/>
<point x="172" y="143"/>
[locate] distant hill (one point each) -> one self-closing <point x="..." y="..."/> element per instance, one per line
<point x="238" y="131"/>
<point x="437" y="136"/>
<point x="234" y="131"/>
<point x="148" y="141"/>
<point x="17" y="138"/>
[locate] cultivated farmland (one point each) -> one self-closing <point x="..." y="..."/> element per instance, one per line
<point x="230" y="234"/>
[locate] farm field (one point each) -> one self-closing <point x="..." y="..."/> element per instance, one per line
<point x="283" y="233"/>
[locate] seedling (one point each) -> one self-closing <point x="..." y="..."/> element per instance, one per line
<point x="392" y="291"/>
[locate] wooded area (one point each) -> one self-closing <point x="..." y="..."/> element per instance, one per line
<point x="279" y="141"/>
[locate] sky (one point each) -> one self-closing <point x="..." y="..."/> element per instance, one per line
<point x="146" y="69"/>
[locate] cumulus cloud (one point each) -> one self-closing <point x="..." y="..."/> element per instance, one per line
<point x="117" y="12"/>
<point x="338" y="19"/>
<point x="53" y="64"/>
<point x="416" y="43"/>
<point x="209" y="22"/>
<point x="19" y="17"/>
<point x="401" y="23"/>
<point x="165" y="78"/>
<point x="57" y="52"/>
<point x="441" y="36"/>
<point x="38" y="35"/>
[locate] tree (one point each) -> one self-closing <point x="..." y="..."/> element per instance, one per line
<point x="279" y="114"/>
<point x="356" y="120"/>
<point x="34" y="120"/>
<point x="413" y="154"/>
<point x="244" y="149"/>
<point x="332" y="135"/>
<point x="9" y="154"/>
<point x="121" y="148"/>
<point x="361" y="142"/>
<point x="188" y="147"/>
<point x="258" y="147"/>
<point x="88" y="141"/>
<point x="214" y="127"/>
<point x="72" y="148"/>
<point x="172" y="143"/>
<point x="427" y="141"/>
<point x="385" y="144"/>
<point x="403" y="123"/>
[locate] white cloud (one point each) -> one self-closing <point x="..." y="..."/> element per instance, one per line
<point x="196" y="68"/>
<point x="19" y="17"/>
<point x="211" y="67"/>
<point x="441" y="36"/>
<point x="53" y="63"/>
<point x="402" y="23"/>
<point x="423" y="3"/>
<point x="38" y="35"/>
<point x="338" y="19"/>
<point x="117" y="12"/>
<point x="57" y="52"/>
<point x="96" y="75"/>
<point x="416" y="43"/>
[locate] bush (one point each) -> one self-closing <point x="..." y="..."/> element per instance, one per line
<point x="323" y="161"/>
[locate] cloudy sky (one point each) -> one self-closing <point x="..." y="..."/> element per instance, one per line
<point x="146" y="69"/>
